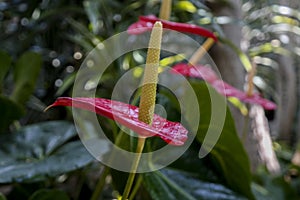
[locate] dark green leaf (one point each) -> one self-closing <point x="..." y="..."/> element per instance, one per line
<point x="5" y="63"/>
<point x="92" y="10"/>
<point x="89" y="40"/>
<point x="69" y="157"/>
<point x="273" y="187"/>
<point x="228" y="152"/>
<point x="156" y="187"/>
<point x="45" y="194"/>
<point x="119" y="180"/>
<point x="172" y="184"/>
<point x="2" y="197"/>
<point x="67" y="83"/>
<point x="189" y="162"/>
<point x="26" y="72"/>
<point x="10" y="111"/>
<point x="38" y="140"/>
<point x="36" y="152"/>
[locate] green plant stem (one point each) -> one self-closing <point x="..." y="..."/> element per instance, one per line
<point x="101" y="181"/>
<point x="81" y="178"/>
<point x="139" y="150"/>
<point x="100" y="184"/>
<point x="136" y="187"/>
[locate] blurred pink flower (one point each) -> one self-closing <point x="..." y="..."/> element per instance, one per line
<point x="222" y="87"/>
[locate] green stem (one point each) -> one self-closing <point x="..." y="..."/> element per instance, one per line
<point x="100" y="184"/>
<point x="202" y="50"/>
<point x="81" y="180"/>
<point x="136" y="187"/>
<point x="139" y="150"/>
<point x="165" y="9"/>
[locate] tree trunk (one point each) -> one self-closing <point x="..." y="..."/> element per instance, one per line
<point x="287" y="88"/>
<point x="258" y="142"/>
<point x="261" y="137"/>
<point x="225" y="58"/>
<point x="282" y="126"/>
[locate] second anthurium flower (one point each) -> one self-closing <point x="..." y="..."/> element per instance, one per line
<point x="222" y="87"/>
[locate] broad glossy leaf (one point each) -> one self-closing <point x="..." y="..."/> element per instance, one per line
<point x="38" y="151"/>
<point x="5" y="63"/>
<point x="26" y="72"/>
<point x="156" y="187"/>
<point x="45" y="194"/>
<point x="146" y="23"/>
<point x="273" y="187"/>
<point x="228" y="152"/>
<point x="174" y="185"/>
<point x="10" y="111"/>
<point x="127" y="115"/>
<point x="191" y="163"/>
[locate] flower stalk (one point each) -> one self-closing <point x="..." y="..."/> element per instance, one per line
<point x="139" y="150"/>
<point x="148" y="96"/>
<point x="201" y="51"/>
<point x="165" y="9"/>
<point x="251" y="75"/>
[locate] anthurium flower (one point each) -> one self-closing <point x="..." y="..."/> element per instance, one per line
<point x="198" y="71"/>
<point x="222" y="87"/>
<point x="127" y="115"/>
<point x="146" y="23"/>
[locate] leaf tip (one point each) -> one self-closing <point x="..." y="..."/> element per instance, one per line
<point x="47" y="108"/>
